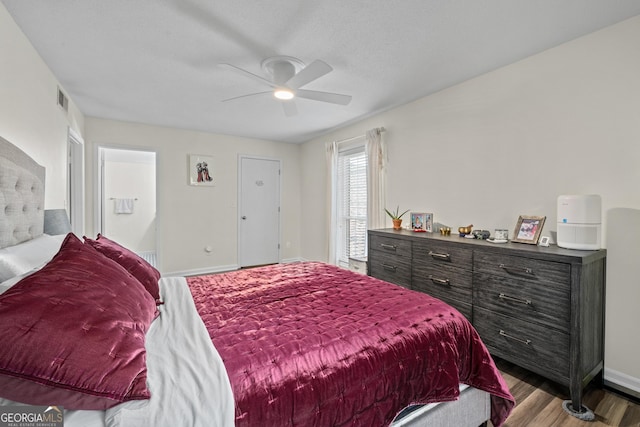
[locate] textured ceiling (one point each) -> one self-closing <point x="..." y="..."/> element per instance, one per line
<point x="156" y="61"/>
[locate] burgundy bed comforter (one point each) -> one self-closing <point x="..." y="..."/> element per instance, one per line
<point x="310" y="344"/>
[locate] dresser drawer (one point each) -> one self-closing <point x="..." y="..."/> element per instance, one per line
<point x="535" y="347"/>
<point x="522" y="268"/>
<point x="547" y="304"/>
<point x="390" y="245"/>
<point x="389" y="267"/>
<point x="429" y="251"/>
<point x="519" y="297"/>
<point x="464" y="308"/>
<point x="445" y="284"/>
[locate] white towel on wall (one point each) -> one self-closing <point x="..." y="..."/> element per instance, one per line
<point x="124" y="206"/>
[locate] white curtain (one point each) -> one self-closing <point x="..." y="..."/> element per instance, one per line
<point x="332" y="216"/>
<point x="376" y="196"/>
<point x="375" y="153"/>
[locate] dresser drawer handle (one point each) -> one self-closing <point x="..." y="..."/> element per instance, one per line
<point x="526" y="270"/>
<point x="389" y="267"/>
<point x="511" y="337"/>
<point x="514" y="299"/>
<point x="445" y="257"/>
<point x="443" y="282"/>
<point x="388" y="247"/>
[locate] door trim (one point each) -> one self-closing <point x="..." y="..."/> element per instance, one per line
<point x="76" y="177"/>
<point x="239" y="208"/>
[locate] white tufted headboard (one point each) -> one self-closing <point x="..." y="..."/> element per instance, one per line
<point x="21" y="196"/>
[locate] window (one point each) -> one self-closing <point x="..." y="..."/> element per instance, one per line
<point x="351" y="201"/>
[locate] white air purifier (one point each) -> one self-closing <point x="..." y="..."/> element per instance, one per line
<point x="579" y="221"/>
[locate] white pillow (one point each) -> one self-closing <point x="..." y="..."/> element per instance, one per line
<point x="7" y="284"/>
<point x="24" y="257"/>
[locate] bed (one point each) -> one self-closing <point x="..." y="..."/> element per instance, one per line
<point x="291" y="344"/>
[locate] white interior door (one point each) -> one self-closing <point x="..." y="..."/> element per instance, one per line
<point x="259" y="211"/>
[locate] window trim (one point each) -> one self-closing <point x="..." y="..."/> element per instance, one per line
<point x="341" y="227"/>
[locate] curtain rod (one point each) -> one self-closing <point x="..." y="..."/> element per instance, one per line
<point x="381" y="129"/>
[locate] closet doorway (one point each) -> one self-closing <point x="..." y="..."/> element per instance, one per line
<point x="127" y="187"/>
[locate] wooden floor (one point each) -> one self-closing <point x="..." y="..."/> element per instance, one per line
<point x="539" y="403"/>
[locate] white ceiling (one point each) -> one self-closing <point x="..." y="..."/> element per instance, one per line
<point x="156" y="61"/>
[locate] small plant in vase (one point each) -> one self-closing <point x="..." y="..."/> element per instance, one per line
<point x="396" y="217"/>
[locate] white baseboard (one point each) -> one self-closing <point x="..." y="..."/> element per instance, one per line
<point x="290" y="260"/>
<point x="203" y="271"/>
<point x="622" y="382"/>
<point x="220" y="269"/>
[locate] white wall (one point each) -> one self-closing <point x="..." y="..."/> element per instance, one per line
<point x="29" y="115"/>
<point x="131" y="175"/>
<point x="507" y="143"/>
<point x="31" y="119"/>
<point x="189" y="217"/>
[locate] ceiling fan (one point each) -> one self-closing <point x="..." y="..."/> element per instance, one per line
<point x="288" y="75"/>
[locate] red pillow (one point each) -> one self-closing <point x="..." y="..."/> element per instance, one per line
<point x="74" y="333"/>
<point x="139" y="268"/>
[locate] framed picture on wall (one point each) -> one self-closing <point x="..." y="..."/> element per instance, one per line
<point x="200" y="170"/>
<point x="422" y="221"/>
<point x="528" y="229"/>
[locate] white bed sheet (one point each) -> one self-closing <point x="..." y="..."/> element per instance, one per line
<point x="187" y="379"/>
<point x="29" y="255"/>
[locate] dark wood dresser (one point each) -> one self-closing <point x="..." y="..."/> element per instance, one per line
<point x="540" y="308"/>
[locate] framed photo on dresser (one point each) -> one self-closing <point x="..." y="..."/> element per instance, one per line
<point x="528" y="229"/>
<point x="422" y="221"/>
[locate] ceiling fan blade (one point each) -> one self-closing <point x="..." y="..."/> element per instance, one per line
<point x="248" y="74"/>
<point x="246" y="96"/>
<point x="290" y="108"/>
<point x="334" y="98"/>
<point x="308" y="74"/>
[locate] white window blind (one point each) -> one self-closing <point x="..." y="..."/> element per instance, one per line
<point x="352" y="205"/>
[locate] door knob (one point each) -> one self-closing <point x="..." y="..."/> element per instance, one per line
<point x="244" y="217"/>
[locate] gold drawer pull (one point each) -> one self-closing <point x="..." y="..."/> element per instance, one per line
<point x="388" y="247"/>
<point x="445" y="257"/>
<point x="443" y="282"/>
<point x="514" y="299"/>
<point x="389" y="267"/>
<point x="511" y="337"/>
<point x="526" y="270"/>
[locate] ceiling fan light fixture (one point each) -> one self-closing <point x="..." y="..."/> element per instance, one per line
<point x="284" y="94"/>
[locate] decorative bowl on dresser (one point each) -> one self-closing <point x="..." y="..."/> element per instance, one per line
<point x="541" y="308"/>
